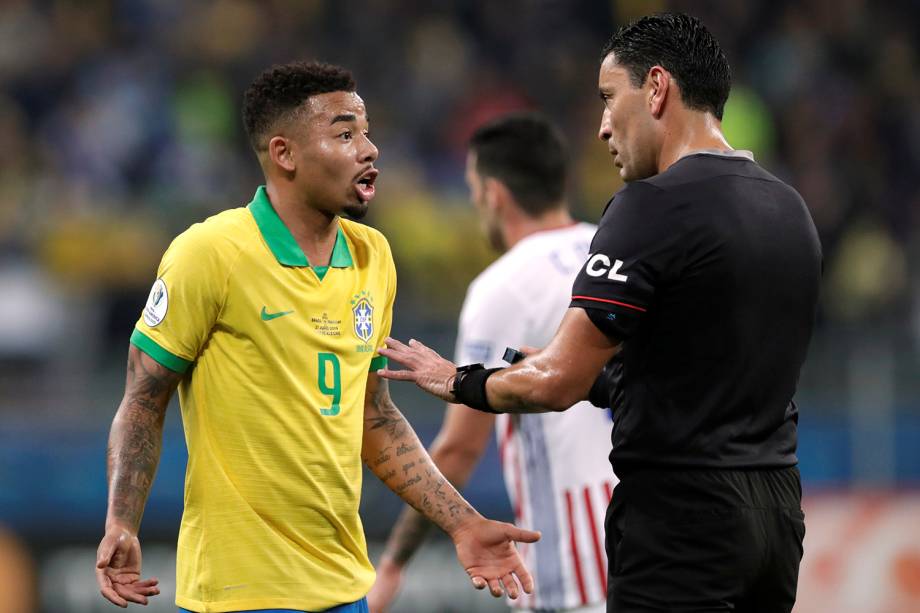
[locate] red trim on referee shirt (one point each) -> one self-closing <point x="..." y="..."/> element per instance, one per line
<point x="617" y="302"/>
<point x="574" y="544"/>
<point x="598" y="556"/>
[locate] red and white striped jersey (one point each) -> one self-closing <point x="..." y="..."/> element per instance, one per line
<point x="555" y="465"/>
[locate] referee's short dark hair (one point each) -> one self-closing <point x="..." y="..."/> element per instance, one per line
<point x="527" y="153"/>
<point x="281" y="90"/>
<point x="683" y="46"/>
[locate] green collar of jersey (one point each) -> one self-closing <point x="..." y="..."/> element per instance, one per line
<point x="282" y="243"/>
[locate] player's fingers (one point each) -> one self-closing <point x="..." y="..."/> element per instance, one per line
<point x="478" y="582"/>
<point x="528" y="350"/>
<point x="524" y="577"/>
<point x="105" y="552"/>
<point x="397" y="375"/>
<point x="147" y="582"/>
<point x="511" y="586"/>
<point x="128" y="593"/>
<point x="108" y="592"/>
<point x="521" y="535"/>
<point x="495" y="587"/>
<point x="147" y="590"/>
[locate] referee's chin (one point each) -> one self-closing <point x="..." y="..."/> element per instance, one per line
<point x="356" y="211"/>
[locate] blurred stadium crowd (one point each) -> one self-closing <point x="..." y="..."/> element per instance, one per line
<point x="119" y="124"/>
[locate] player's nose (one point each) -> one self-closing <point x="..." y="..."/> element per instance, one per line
<point x="368" y="152"/>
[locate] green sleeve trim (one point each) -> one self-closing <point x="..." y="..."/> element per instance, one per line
<point x="377" y="363"/>
<point x="164" y="357"/>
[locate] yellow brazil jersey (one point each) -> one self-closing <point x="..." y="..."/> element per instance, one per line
<point x="276" y="356"/>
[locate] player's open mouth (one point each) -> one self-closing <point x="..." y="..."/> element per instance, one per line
<point x="364" y="185"/>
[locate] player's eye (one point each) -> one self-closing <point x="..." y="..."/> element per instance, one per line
<point x="346" y="135"/>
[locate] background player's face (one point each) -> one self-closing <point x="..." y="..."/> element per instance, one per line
<point x="488" y="215"/>
<point x="627" y="125"/>
<point x="334" y="156"/>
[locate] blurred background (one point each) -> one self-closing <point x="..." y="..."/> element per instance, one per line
<point x="119" y="124"/>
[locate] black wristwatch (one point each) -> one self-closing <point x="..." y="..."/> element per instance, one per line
<point x="469" y="387"/>
<point x="463" y="371"/>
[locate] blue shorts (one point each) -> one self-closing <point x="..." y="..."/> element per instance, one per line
<point x="359" y="606"/>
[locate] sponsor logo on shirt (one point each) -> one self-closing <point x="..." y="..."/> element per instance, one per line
<point x="599" y="265"/>
<point x="266" y="316"/>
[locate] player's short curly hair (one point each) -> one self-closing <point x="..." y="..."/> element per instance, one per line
<point x="282" y="89"/>
<point x="683" y="46"/>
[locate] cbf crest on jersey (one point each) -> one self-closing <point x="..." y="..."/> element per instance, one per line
<point x="362" y="309"/>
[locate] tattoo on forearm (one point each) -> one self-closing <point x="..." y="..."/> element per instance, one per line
<point x="136" y="438"/>
<point x="399" y="489"/>
<point x="406" y="448"/>
<point x="409" y="471"/>
<point x="383" y="456"/>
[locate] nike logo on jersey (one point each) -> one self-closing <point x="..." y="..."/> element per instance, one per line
<point x="266" y="316"/>
<point x="599" y="265"/>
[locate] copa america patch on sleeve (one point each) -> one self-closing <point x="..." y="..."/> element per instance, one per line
<point x="157" y="303"/>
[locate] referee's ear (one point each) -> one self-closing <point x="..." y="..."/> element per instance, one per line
<point x="281" y="154"/>
<point x="659" y="82"/>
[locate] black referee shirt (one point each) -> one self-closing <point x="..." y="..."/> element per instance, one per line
<point x="708" y="273"/>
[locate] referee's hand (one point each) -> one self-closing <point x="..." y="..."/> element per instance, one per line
<point x="424" y="367"/>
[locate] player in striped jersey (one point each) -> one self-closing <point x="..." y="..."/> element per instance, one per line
<point x="555" y="464"/>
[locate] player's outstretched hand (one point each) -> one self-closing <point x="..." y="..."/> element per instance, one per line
<point x="486" y="550"/>
<point x="424" y="367"/>
<point x="118" y="569"/>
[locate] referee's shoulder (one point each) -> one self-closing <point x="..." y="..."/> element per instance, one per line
<point x="636" y="194"/>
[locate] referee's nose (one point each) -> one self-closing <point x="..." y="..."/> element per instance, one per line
<point x="605" y="131"/>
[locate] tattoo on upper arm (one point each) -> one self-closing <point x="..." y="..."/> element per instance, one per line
<point x="384" y="414"/>
<point x="136" y="438"/>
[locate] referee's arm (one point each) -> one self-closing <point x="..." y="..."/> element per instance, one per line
<point x="560" y="375"/>
<point x="552" y="380"/>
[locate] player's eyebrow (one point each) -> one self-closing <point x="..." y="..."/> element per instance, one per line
<point x="343" y="117"/>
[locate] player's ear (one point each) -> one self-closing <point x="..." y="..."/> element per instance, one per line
<point x="659" y="83"/>
<point x="281" y="153"/>
<point x="496" y="194"/>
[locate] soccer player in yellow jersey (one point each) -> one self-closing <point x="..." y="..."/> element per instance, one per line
<point x="269" y="320"/>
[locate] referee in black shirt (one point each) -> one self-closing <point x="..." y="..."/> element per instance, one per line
<point x="703" y="282"/>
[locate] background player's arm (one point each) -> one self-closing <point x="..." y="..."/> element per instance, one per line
<point x="393" y="452"/>
<point x="552" y="380"/>
<point x="132" y="457"/>
<point x="456" y="451"/>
